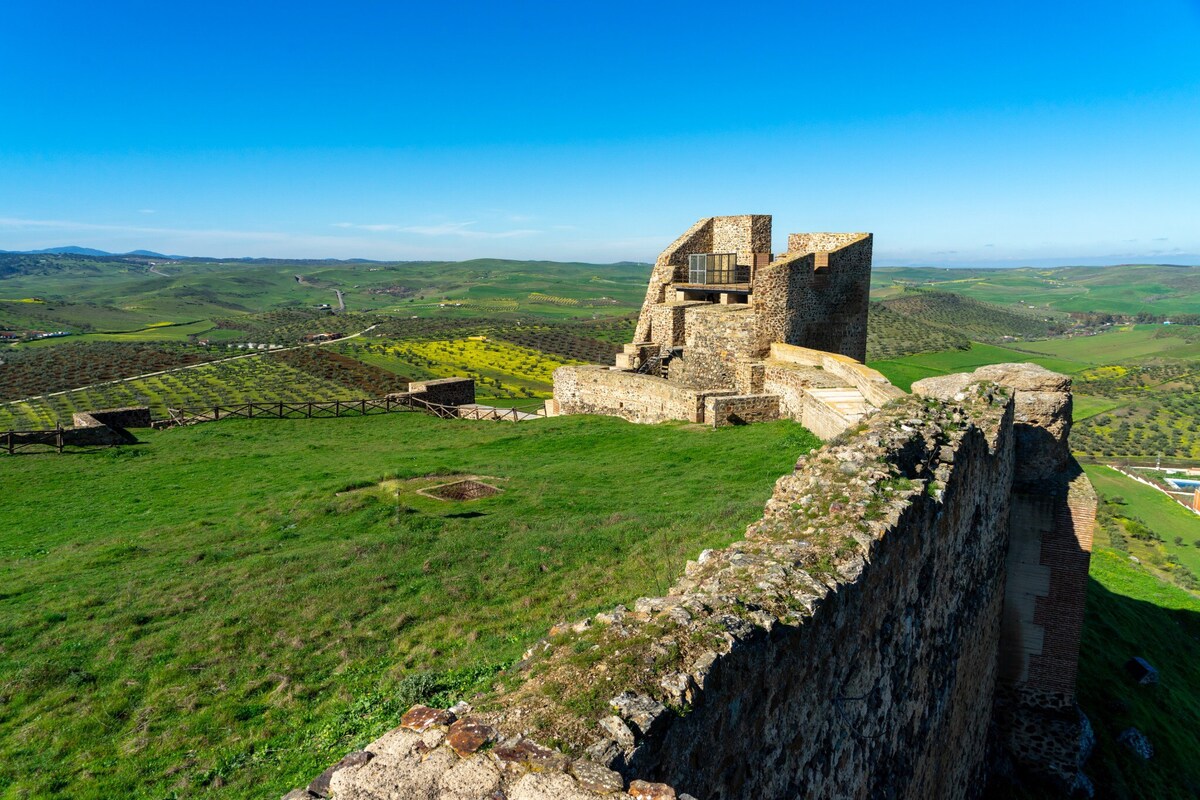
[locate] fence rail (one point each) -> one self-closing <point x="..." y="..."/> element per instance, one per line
<point x="339" y="408"/>
<point x="17" y="441"/>
<point x="13" y="442"/>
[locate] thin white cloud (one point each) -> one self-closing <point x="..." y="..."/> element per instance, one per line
<point x="147" y="211"/>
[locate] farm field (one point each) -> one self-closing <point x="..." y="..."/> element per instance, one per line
<point x="904" y="371"/>
<point x="1150" y="510"/>
<point x="1125" y="343"/>
<point x="1121" y="289"/>
<point x="245" y="608"/>
<point x="501" y="369"/>
<point x="120" y="293"/>
<point x="257" y="378"/>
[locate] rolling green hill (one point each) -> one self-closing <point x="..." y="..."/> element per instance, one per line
<point x="1121" y="289"/>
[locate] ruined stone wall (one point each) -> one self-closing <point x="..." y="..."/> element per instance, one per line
<point x="851" y="645"/>
<point x="740" y="409"/>
<point x="842" y="371"/>
<point x="445" y="391"/>
<point x="717" y="338"/>
<point x="672" y="263"/>
<point x="745" y="234"/>
<point x="803" y="303"/>
<point x="845" y="648"/>
<point x="637" y="398"/>
<point x="819" y="242"/>
<point x="127" y="417"/>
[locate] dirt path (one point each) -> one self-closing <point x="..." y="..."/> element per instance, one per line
<point x="255" y="354"/>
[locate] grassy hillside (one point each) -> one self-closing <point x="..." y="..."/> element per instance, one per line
<point x="244" y="608"/>
<point x="1132" y="613"/>
<point x="121" y="293"/>
<point x="964" y="316"/>
<point x="1122" y="289"/>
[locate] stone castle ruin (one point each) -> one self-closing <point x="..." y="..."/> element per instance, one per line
<point x="903" y="621"/>
<point x="729" y="333"/>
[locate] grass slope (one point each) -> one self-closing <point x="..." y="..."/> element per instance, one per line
<point x="225" y="624"/>
<point x="1121" y="289"/>
<point x="1131" y="613"/>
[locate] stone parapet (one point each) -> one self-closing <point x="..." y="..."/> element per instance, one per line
<point x="845" y="647"/>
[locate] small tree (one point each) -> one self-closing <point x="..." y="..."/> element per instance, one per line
<point x="1179" y="541"/>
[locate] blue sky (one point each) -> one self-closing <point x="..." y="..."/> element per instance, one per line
<point x="958" y="133"/>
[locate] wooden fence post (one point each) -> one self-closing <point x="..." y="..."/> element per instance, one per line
<point x="59" y="438"/>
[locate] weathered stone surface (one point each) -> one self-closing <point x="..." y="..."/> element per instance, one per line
<point x="595" y="778"/>
<point x="525" y="753"/>
<point x="1025" y="377"/>
<point x="320" y="784"/>
<point x="640" y="711"/>
<point x="549" y="786"/>
<point x="943" y="387"/>
<point x="621" y="733"/>
<point x="469" y="734"/>
<point x="1136" y="742"/>
<point x="644" y="790"/>
<point x="421" y="718"/>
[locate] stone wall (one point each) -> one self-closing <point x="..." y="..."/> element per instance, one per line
<point x="843" y="371"/>
<point x="803" y="303"/>
<point x="851" y="645"/>
<point x="740" y="409"/>
<point x="445" y="391"/>
<point x="671" y="263"/>
<point x="1053" y="512"/>
<point x="717" y="339"/>
<point x="629" y="395"/>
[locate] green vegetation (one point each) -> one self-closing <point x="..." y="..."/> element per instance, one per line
<point x="1145" y="523"/>
<point x="246" y="606"/>
<point x="260" y="378"/>
<point x="964" y="316"/>
<point x="28" y="372"/>
<point x="904" y="371"/>
<point x="1123" y="289"/>
<point x="1132" y="613"/>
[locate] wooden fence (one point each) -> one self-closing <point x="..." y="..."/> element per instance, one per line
<point x="339" y="408"/>
<point x="16" y="441"/>
<point x="13" y="442"/>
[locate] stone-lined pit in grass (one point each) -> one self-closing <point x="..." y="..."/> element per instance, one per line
<point x="461" y="490"/>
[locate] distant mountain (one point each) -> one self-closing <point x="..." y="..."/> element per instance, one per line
<point x="75" y="250"/>
<point x="71" y="250"/>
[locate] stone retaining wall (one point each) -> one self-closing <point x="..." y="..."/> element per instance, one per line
<point x="445" y="391"/>
<point x="849" y="646"/>
<point x="629" y="395"/>
<point x="740" y="409"/>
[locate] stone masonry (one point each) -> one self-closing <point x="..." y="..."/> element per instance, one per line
<point x="715" y="327"/>
<point x="856" y="642"/>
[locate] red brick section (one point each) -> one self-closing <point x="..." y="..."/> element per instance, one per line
<point x="1067" y="551"/>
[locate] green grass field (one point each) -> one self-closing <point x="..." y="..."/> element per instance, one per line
<point x="903" y="371"/>
<point x="1160" y="513"/>
<point x="1122" y="289"/>
<point x="1132" y="613"/>
<point x="1126" y="343"/>
<point x="229" y="620"/>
